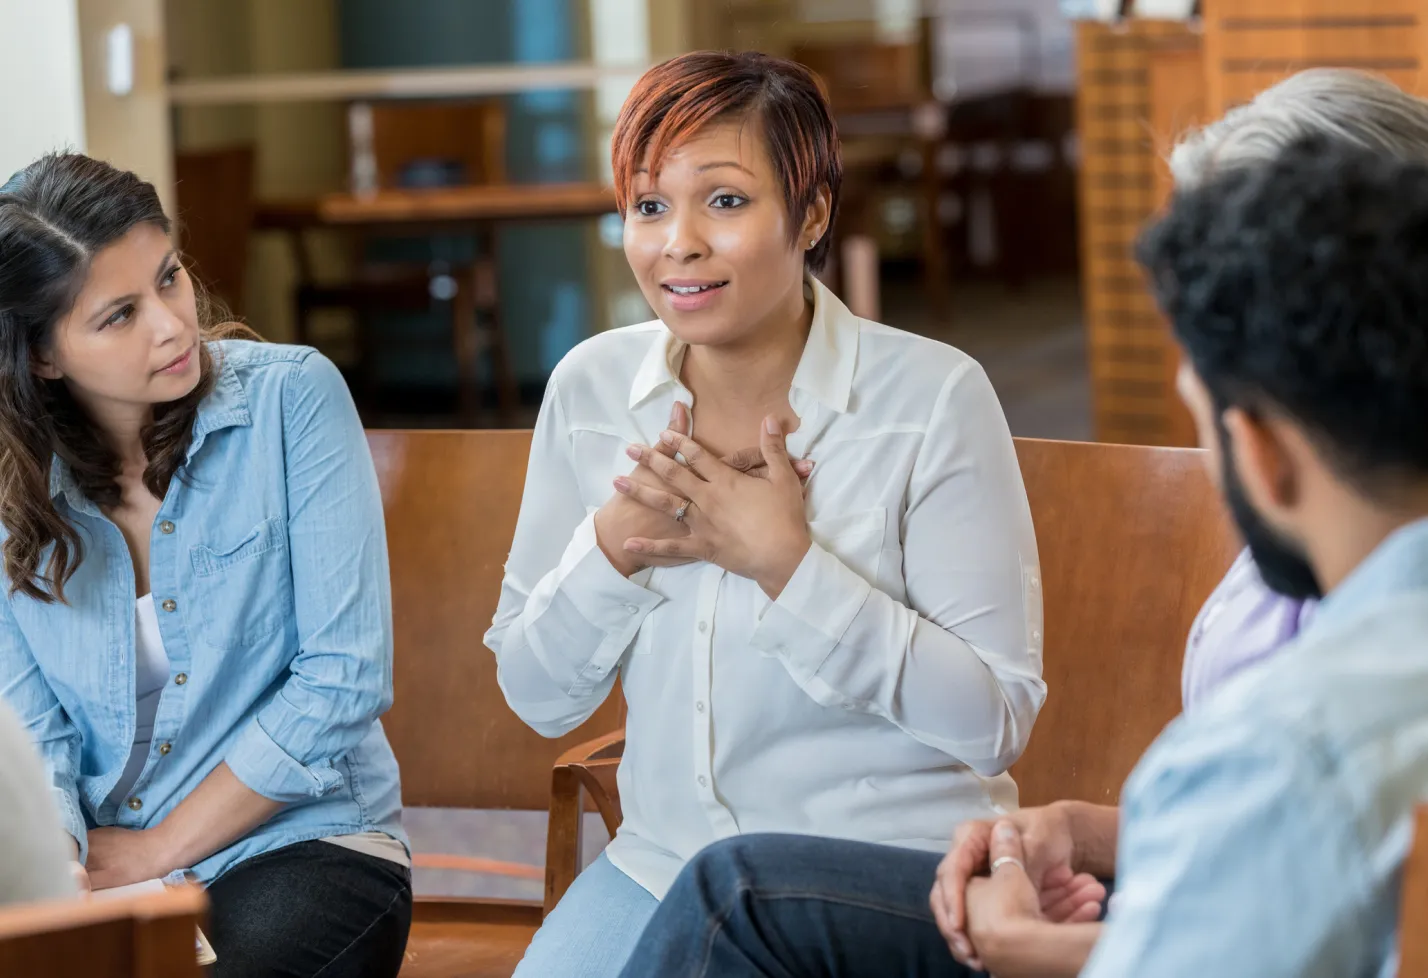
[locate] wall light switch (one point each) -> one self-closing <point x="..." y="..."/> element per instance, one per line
<point x="119" y="59"/>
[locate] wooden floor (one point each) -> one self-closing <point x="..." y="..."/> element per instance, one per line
<point x="457" y="950"/>
<point x="1031" y="343"/>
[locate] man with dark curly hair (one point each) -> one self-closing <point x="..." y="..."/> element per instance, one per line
<point x="1264" y="833"/>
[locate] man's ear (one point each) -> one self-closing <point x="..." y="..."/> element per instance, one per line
<point x="1266" y="458"/>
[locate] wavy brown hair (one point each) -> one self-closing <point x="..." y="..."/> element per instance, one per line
<point x="56" y="215"/>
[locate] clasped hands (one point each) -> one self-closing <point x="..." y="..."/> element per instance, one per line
<point x="744" y="513"/>
<point x="1001" y="879"/>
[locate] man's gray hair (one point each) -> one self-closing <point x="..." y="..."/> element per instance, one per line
<point x="1339" y="103"/>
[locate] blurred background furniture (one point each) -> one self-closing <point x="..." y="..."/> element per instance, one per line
<point x="150" y="935"/>
<point x="418" y="146"/>
<point x="215" y="217"/>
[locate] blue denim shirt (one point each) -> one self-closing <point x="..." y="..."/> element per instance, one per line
<point x="268" y="566"/>
<point x="1265" y="833"/>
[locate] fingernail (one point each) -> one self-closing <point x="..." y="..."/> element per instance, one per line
<point x="771" y="425"/>
<point x="961" y="947"/>
<point x="634" y="451"/>
<point x="1006" y="831"/>
<point x="803" y="465"/>
<point x="634" y="545"/>
<point x="622" y="484"/>
<point x="667" y="437"/>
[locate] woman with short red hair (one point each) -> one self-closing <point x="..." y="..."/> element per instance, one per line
<point x="800" y="539"/>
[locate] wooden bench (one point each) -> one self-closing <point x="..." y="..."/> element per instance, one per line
<point x="146" y="936"/>
<point x="451" y="500"/>
<point x="1132" y="540"/>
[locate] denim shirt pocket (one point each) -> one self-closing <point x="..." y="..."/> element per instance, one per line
<point x="244" y="588"/>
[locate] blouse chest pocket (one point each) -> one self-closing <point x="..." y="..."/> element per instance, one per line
<point x="856" y="539"/>
<point x="244" y="586"/>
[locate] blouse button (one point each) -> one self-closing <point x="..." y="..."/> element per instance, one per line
<point x="180" y="679"/>
<point x="135" y="804"/>
<point x="164" y="749"/>
<point x="170" y="604"/>
<point x="703" y="781"/>
<point x="166" y="527"/>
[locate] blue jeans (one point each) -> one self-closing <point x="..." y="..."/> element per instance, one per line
<point x="788" y="906"/>
<point x="593" y="929"/>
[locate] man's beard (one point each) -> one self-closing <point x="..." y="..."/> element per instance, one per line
<point x="1281" y="562"/>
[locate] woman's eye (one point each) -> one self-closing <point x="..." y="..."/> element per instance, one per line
<point x="120" y="316"/>
<point x="729" y="200"/>
<point x="649" y="208"/>
<point x="170" y="278"/>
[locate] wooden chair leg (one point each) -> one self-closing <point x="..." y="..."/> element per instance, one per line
<point x="934" y="252"/>
<point x="299" y="318"/>
<point x="463" y="348"/>
<point x="563" y="835"/>
<point x="489" y="300"/>
<point x="366" y="342"/>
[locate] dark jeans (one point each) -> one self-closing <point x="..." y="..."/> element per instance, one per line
<point x="789" y="906"/>
<point x="310" y="910"/>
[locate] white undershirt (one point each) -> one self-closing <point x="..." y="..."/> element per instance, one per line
<point x="151" y="664"/>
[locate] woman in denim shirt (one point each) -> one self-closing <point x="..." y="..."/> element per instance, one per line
<point x="197" y="631"/>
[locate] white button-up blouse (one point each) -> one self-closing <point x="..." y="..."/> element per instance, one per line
<point x="885" y="693"/>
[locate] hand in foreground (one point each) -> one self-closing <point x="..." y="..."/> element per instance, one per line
<point x="753" y="527"/>
<point x="118" y="857"/>
<point x="1063" y="895"/>
<point x="999" y="907"/>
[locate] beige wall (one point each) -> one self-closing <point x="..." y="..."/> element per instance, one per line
<point x="302" y="152"/>
<point x="131" y="131"/>
<point x="207" y="38"/>
<point x="43" y="109"/>
<point x="301" y="147"/>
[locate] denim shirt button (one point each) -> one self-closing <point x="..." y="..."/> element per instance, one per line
<point x="166" y="527"/>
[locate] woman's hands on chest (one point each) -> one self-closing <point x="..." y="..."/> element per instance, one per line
<point x="625" y="516"/>
<point x="753" y="527"/>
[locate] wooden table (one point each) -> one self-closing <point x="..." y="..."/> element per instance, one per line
<point x="482" y="210"/>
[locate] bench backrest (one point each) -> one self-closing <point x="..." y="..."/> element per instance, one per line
<point x="1132" y="540"/>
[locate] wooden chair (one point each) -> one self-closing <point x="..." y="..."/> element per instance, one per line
<point x="1413" y="906"/>
<point x="468" y="136"/>
<point x="423" y="145"/>
<point x="147" y="936"/>
<point x="216" y="194"/>
<point x="451" y="500"/>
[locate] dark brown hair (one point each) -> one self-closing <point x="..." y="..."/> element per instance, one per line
<point x="674" y="101"/>
<point x="55" y="216"/>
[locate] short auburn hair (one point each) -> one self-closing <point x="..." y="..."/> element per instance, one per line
<point x="677" y="99"/>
